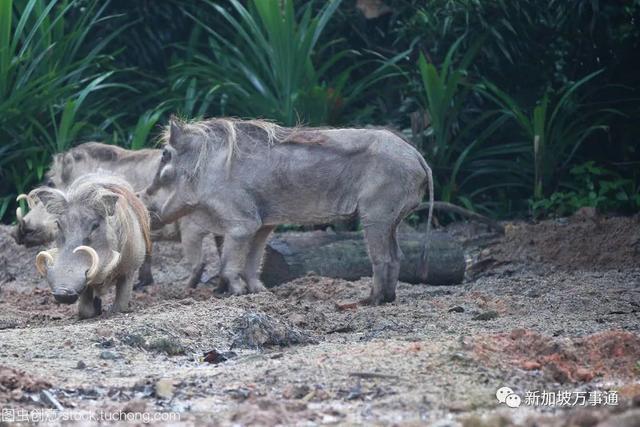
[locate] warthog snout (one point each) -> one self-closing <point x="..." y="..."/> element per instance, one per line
<point x="65" y="296"/>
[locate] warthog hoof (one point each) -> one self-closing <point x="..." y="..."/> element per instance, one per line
<point x="377" y="300"/>
<point x="256" y="286"/>
<point x="143" y="282"/>
<point x="87" y="312"/>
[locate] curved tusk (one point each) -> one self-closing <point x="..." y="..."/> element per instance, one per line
<point x="95" y="261"/>
<point x="19" y="215"/>
<point x="115" y="260"/>
<point x="27" y="198"/>
<point x="43" y="259"/>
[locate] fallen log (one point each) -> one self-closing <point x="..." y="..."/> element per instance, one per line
<point x="344" y="255"/>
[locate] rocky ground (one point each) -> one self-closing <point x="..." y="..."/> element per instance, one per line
<point x="549" y="307"/>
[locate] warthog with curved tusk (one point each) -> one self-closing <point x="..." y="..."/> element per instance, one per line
<point x="34" y="228"/>
<point x="137" y="167"/>
<point x="102" y="240"/>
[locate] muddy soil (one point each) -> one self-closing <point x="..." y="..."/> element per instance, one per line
<point x="548" y="307"/>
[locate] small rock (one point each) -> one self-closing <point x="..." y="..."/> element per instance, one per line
<point x="214" y="356"/>
<point x="164" y="389"/>
<point x="169" y="346"/>
<point x="241" y="393"/>
<point x="456" y="309"/>
<point x="487" y="315"/>
<point x="295" y="391"/>
<point x="106" y="342"/>
<point x="584" y="374"/>
<point x="355" y="392"/>
<point x="81" y="365"/>
<point x="257" y="330"/>
<point x="460" y="357"/>
<point x="533" y="294"/>
<point x="103" y="332"/>
<point x="530" y="365"/>
<point x="108" y="355"/>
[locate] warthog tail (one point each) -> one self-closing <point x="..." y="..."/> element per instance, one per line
<point x="424" y="258"/>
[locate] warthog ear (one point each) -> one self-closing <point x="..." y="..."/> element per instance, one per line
<point x="54" y="200"/>
<point x="176" y="133"/>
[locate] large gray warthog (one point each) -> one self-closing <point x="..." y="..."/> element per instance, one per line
<point x="137" y="168"/>
<point x="250" y="176"/>
<point x="102" y="239"/>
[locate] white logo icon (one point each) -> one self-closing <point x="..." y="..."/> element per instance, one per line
<point x="513" y="401"/>
<point x="507" y="396"/>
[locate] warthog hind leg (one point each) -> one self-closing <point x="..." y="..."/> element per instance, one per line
<point x="145" y="277"/>
<point x="385" y="257"/>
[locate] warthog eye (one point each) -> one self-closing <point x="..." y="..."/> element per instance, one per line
<point x="166" y="155"/>
<point x="95" y="226"/>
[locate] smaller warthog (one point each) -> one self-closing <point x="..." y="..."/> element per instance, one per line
<point x="102" y="240"/>
<point x="35" y="227"/>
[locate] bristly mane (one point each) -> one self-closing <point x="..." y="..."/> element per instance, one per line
<point x="127" y="197"/>
<point x="63" y="163"/>
<point x="235" y="132"/>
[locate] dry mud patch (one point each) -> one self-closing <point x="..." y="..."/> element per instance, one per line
<point x="435" y="356"/>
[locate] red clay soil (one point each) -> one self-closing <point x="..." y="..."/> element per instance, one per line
<point x="585" y="241"/>
<point x="606" y="355"/>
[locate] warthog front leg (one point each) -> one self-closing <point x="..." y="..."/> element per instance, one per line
<point x="192" y="238"/>
<point x="89" y="305"/>
<point x="234" y="260"/>
<point x="124" y="286"/>
<point x="254" y="260"/>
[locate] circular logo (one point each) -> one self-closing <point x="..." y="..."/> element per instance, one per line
<point x="512" y="401"/>
<point x="502" y="394"/>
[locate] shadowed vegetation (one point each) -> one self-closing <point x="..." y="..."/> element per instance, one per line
<point x="521" y="109"/>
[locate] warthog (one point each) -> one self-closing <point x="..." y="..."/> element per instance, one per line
<point x="137" y="168"/>
<point x="35" y="228"/>
<point x="103" y="236"/>
<point x="251" y="176"/>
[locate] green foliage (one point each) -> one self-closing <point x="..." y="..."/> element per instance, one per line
<point x="265" y="67"/>
<point x="559" y="85"/>
<point x="455" y="148"/>
<point x="591" y="186"/>
<point x="48" y="81"/>
<point x="554" y="132"/>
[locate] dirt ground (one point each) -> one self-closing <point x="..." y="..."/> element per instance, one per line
<point x="549" y="307"/>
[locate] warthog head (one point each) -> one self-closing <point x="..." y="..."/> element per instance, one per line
<point x="37" y="227"/>
<point x="174" y="177"/>
<point x="85" y="252"/>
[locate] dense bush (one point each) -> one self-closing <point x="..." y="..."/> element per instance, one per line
<point x="522" y="108"/>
